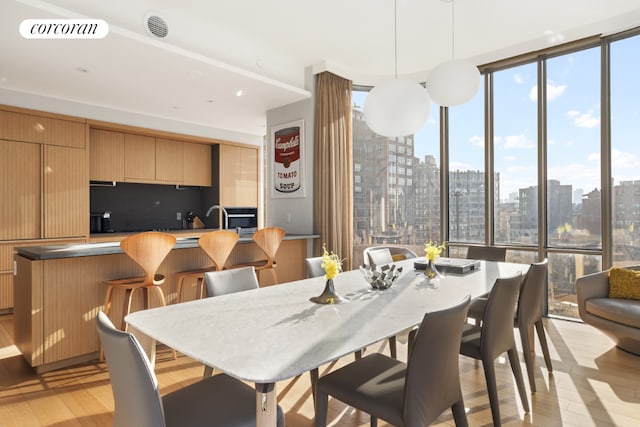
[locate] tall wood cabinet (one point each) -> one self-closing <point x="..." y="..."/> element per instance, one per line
<point x="238" y="175"/>
<point x="44" y="186"/>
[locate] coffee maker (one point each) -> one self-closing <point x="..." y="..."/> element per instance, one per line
<point x="101" y="222"/>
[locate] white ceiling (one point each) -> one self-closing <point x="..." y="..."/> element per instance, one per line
<point x="268" y="48"/>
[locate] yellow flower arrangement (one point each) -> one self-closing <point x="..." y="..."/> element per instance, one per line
<point x="433" y="250"/>
<point x="331" y="263"/>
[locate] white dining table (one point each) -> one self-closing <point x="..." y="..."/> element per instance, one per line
<point x="276" y="333"/>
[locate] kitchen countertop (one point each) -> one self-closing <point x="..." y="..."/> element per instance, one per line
<point x="107" y="248"/>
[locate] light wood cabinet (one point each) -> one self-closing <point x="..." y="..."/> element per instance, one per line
<point x="139" y="158"/>
<point x="23" y="127"/>
<point x="169" y="161"/>
<point x="238" y="175"/>
<point x="106" y="155"/>
<point x="20" y="190"/>
<point x="197" y="164"/>
<point x="66" y="192"/>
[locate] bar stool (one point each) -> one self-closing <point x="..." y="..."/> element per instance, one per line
<point x="268" y="240"/>
<point x="218" y="245"/>
<point x="148" y="250"/>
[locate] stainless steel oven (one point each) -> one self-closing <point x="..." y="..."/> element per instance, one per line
<point x="242" y="219"/>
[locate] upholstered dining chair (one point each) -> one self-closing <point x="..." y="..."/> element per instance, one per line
<point x="227" y="282"/>
<point x="487" y="253"/>
<point x="147" y="250"/>
<point x="528" y="315"/>
<point x="268" y="240"/>
<point x="405" y="394"/>
<point x="218" y="245"/>
<point x="220" y="400"/>
<point x="380" y="255"/>
<point x="495" y="336"/>
<point x="314" y="266"/>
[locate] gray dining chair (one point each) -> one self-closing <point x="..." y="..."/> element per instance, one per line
<point x="381" y="255"/>
<point x="487" y="253"/>
<point x="314" y="266"/>
<point x="528" y="315"/>
<point x="494" y="337"/>
<point x="224" y="282"/>
<point x="405" y="394"/>
<point x="220" y="400"/>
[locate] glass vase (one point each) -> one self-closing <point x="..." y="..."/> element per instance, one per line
<point x="329" y="295"/>
<point x="431" y="271"/>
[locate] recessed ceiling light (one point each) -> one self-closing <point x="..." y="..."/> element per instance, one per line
<point x="175" y="107"/>
<point x="239" y="92"/>
<point x="210" y="101"/>
<point x="82" y="70"/>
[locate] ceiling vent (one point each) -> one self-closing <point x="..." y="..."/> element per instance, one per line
<point x="156" y="25"/>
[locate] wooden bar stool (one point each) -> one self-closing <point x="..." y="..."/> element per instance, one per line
<point x="218" y="245"/>
<point x="148" y="250"/>
<point x="268" y="240"/>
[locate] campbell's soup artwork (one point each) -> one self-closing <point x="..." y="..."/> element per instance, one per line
<point x="286" y="158"/>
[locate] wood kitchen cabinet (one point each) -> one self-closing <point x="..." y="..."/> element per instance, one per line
<point x="238" y="175"/>
<point x="20" y="166"/>
<point x="139" y="158"/>
<point x="66" y="192"/>
<point x="106" y="155"/>
<point x="197" y="164"/>
<point x="41" y="129"/>
<point x="43" y="185"/>
<point x="169" y="161"/>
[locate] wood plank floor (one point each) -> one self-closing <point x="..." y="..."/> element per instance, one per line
<point x="593" y="384"/>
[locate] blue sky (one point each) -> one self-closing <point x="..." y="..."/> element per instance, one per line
<point x="573" y="132"/>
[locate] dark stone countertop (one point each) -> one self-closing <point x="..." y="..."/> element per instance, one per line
<point x="107" y="248"/>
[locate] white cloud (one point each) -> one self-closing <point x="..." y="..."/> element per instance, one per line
<point x="623" y="160"/>
<point x="587" y="120"/>
<point x="459" y="166"/>
<point x="594" y="157"/>
<point x="579" y="176"/>
<point x="517" y="141"/>
<point x="477" y="141"/>
<point x="573" y="113"/>
<point x="515" y="169"/>
<point x="510" y="158"/>
<point x="518" y="78"/>
<point x="553" y="91"/>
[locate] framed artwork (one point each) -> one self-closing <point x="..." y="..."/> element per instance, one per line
<point x="288" y="160"/>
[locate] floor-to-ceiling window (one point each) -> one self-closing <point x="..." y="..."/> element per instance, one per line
<point x="396" y="190"/>
<point x="547" y="167"/>
<point x="467" y="173"/>
<point x="573" y="147"/>
<point x="625" y="151"/>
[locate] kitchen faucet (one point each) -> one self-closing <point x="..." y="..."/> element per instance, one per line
<point x="224" y="212"/>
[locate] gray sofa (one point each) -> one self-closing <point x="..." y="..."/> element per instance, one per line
<point x="618" y="318"/>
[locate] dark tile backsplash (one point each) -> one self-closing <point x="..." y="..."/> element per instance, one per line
<point x="139" y="207"/>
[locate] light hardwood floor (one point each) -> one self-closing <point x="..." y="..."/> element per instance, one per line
<point x="593" y="384"/>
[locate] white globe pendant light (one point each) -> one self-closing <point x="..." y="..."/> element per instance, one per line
<point x="453" y="82"/>
<point x="396" y="107"/>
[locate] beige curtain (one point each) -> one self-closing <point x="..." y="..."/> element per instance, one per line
<point x="333" y="163"/>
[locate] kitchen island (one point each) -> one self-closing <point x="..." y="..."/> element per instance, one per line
<point x="58" y="290"/>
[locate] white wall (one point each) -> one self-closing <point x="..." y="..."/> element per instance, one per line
<point x="295" y="215"/>
<point x="71" y="108"/>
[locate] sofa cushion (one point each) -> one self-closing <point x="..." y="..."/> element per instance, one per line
<point x="624" y="283"/>
<point x="623" y="311"/>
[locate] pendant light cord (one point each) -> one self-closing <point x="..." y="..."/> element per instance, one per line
<point x="453" y="30"/>
<point x="395" y="35"/>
